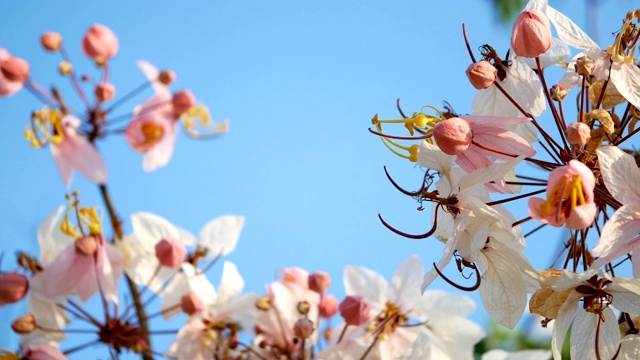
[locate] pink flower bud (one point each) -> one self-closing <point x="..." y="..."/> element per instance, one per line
<point x="100" y="43"/>
<point x="319" y="281"/>
<point x="453" y="135"/>
<point x="482" y="74"/>
<point x="531" y="34"/>
<point x="167" y="77"/>
<point x="559" y="92"/>
<point x="303" y="328"/>
<point x="51" y="41"/>
<point x="43" y="352"/>
<point x="355" y="310"/>
<point x="182" y="101"/>
<point x="13" y="287"/>
<point x="191" y="304"/>
<point x="328" y="306"/>
<point x="15" y="69"/>
<point x="170" y="252"/>
<point x="105" y="92"/>
<point x="24" y="324"/>
<point x="578" y="134"/>
<point x="87" y="245"/>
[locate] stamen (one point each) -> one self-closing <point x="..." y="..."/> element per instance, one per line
<point x="198" y="124"/>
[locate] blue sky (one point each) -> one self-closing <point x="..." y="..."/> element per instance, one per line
<point x="299" y="82"/>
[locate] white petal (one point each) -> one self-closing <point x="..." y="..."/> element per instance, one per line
<point x="405" y="284"/>
<point x="431" y="157"/>
<point x="583" y="335"/>
<point x="630" y="349"/>
<point x="562" y="323"/>
<point x="367" y="283"/>
<point x="627" y="80"/>
<point x="617" y="232"/>
<point x="231" y="284"/>
<point x="620" y="173"/>
<point x="503" y="290"/>
<point x="570" y="33"/>
<point x="220" y="235"/>
<point x="51" y="240"/>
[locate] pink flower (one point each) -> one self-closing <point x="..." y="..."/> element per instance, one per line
<point x="13" y="73"/>
<point x="154" y="135"/>
<point x="76" y="152"/>
<point x="569" y="198"/>
<point x="531" y="34"/>
<point x="13" y="287"/>
<point x="73" y="272"/>
<point x="479" y="140"/>
<point x="43" y="352"/>
<point x="100" y="43"/>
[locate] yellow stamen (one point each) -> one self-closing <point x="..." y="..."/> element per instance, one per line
<point x="84" y="216"/>
<point x="45" y="126"/>
<point x="624" y="48"/>
<point x="152" y="133"/>
<point x="198" y="124"/>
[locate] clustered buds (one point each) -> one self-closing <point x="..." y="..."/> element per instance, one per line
<point x="319" y="281"/>
<point x="100" y="43"/>
<point x="182" y="101"/>
<point x="578" y="134"/>
<point x="170" y="252"/>
<point x="453" y="136"/>
<point x="559" y="92"/>
<point x="191" y="304"/>
<point x="531" y="34"/>
<point x="105" y="91"/>
<point x="355" y="310"/>
<point x="482" y="74"/>
<point x="51" y="41"/>
<point x="13" y="287"/>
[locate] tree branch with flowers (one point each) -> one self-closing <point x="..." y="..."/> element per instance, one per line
<point x="108" y="279"/>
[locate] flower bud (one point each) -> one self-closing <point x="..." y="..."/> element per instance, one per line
<point x="531" y="35"/>
<point x="558" y="92"/>
<point x="303" y="328"/>
<point x="578" y="134"/>
<point x="105" y="92"/>
<point x="453" y="135"/>
<point x="87" y="245"/>
<point x="15" y="69"/>
<point x="65" y="68"/>
<point x="355" y="310"/>
<point x="51" y="41"/>
<point x="482" y="74"/>
<point x="303" y="307"/>
<point x="170" y="252"/>
<point x="191" y="304"/>
<point x="167" y="77"/>
<point x="24" y="324"/>
<point x="584" y="66"/>
<point x="100" y="43"/>
<point x="328" y="306"/>
<point x="13" y="287"/>
<point x="319" y="281"/>
<point x="327" y="333"/>
<point x="182" y="101"/>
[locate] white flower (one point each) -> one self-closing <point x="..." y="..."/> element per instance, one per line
<point x="446" y="333"/>
<point x="620" y="233"/>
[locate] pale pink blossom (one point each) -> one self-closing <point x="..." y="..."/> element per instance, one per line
<point x="75" y="152"/>
<point x="13" y="73"/>
<point x="74" y="273"/>
<point x="478" y="141"/>
<point x="43" y="352"/>
<point x="569" y="198"/>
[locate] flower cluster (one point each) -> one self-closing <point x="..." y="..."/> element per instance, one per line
<point x="85" y="260"/>
<point x="583" y="165"/>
